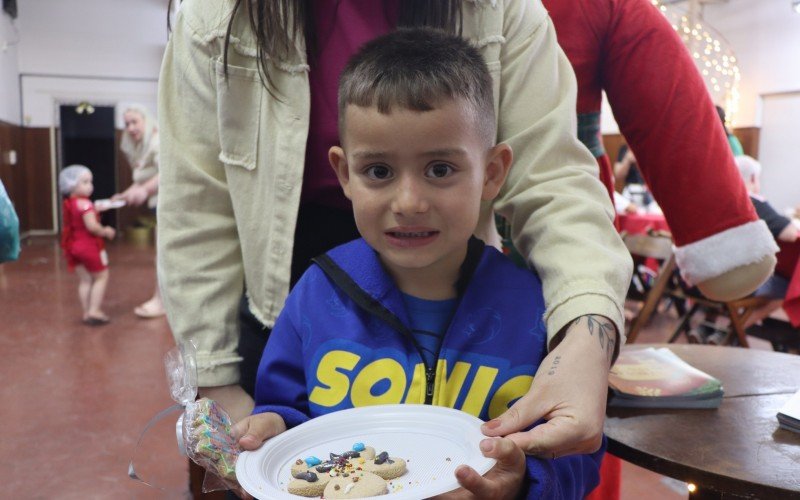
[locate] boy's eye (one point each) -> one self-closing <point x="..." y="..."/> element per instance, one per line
<point x="378" y="172"/>
<point x="439" y="170"/>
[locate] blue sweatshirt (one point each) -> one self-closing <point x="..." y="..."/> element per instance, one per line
<point x="343" y="340"/>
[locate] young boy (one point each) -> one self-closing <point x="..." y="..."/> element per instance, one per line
<point x="418" y="311"/>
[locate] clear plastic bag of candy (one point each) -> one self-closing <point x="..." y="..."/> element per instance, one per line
<point x="208" y="442"/>
<point x="203" y="429"/>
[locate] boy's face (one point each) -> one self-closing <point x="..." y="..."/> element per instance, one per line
<point x="416" y="180"/>
<point x="85" y="187"/>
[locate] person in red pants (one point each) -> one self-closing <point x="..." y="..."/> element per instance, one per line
<point x="662" y="107"/>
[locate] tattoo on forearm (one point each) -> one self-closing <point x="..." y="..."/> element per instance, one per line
<point x="553" y="367"/>
<point x="605" y="330"/>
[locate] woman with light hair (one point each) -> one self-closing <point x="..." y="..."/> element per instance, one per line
<point x="750" y="170"/>
<point x="782" y="228"/>
<point x="141" y="148"/>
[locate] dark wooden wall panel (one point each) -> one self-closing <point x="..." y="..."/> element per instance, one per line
<point x="749" y="137"/>
<point x="30" y="182"/>
<point x="13" y="175"/>
<point x="612" y="143"/>
<point x="39" y="186"/>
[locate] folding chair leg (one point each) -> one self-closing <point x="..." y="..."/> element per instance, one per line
<point x="653" y="297"/>
<point x="680" y="305"/>
<point x="682" y="326"/>
<point x="737" y="324"/>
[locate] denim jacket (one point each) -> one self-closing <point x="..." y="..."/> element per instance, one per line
<point x="232" y="159"/>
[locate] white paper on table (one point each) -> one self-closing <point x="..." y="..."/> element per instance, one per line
<point x="792" y="407"/>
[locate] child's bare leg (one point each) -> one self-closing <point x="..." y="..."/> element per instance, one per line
<point x="100" y="280"/>
<point x="84" y="287"/>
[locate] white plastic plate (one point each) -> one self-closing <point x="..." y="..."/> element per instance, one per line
<point x="432" y="439"/>
<point x="108" y="204"/>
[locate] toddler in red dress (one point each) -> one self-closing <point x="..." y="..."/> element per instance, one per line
<point x="82" y="241"/>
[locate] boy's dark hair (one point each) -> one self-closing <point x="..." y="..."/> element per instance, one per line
<point x="415" y="69"/>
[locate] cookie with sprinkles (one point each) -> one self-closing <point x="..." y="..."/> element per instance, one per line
<point x="310" y="475"/>
<point x="385" y="466"/>
<point x="308" y="484"/>
<point x="366" y="452"/>
<point x="304" y="464"/>
<point x="358" y="485"/>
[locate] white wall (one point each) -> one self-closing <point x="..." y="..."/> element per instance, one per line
<point x="42" y="96"/>
<point x="779" y="150"/>
<point x="102" y="51"/>
<point x="9" y="71"/>
<point x="765" y="36"/>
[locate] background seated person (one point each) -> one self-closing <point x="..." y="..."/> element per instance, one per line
<point x="623" y="205"/>
<point x="782" y="229"/>
<point x="631" y="185"/>
<point x="736" y="145"/>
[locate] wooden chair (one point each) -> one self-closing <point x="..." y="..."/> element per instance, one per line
<point x="736" y="310"/>
<point x="688" y="301"/>
<point x="657" y="247"/>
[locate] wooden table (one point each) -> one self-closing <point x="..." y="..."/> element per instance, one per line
<point x="737" y="449"/>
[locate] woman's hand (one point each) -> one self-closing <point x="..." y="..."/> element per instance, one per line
<point x="109" y="232"/>
<point x="502" y="482"/>
<point x="569" y="392"/>
<point x="135" y="195"/>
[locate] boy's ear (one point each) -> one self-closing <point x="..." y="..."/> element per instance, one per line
<point x="338" y="162"/>
<point x="498" y="163"/>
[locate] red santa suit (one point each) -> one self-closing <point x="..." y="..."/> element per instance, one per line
<point x="662" y="107"/>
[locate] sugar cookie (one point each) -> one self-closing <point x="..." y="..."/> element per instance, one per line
<point x="308" y="484"/>
<point x="385" y="466"/>
<point x="357" y="485"/>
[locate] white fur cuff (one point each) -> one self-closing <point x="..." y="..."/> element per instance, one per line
<point x="718" y="254"/>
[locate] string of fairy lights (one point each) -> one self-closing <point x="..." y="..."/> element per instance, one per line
<point x="711" y="53"/>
